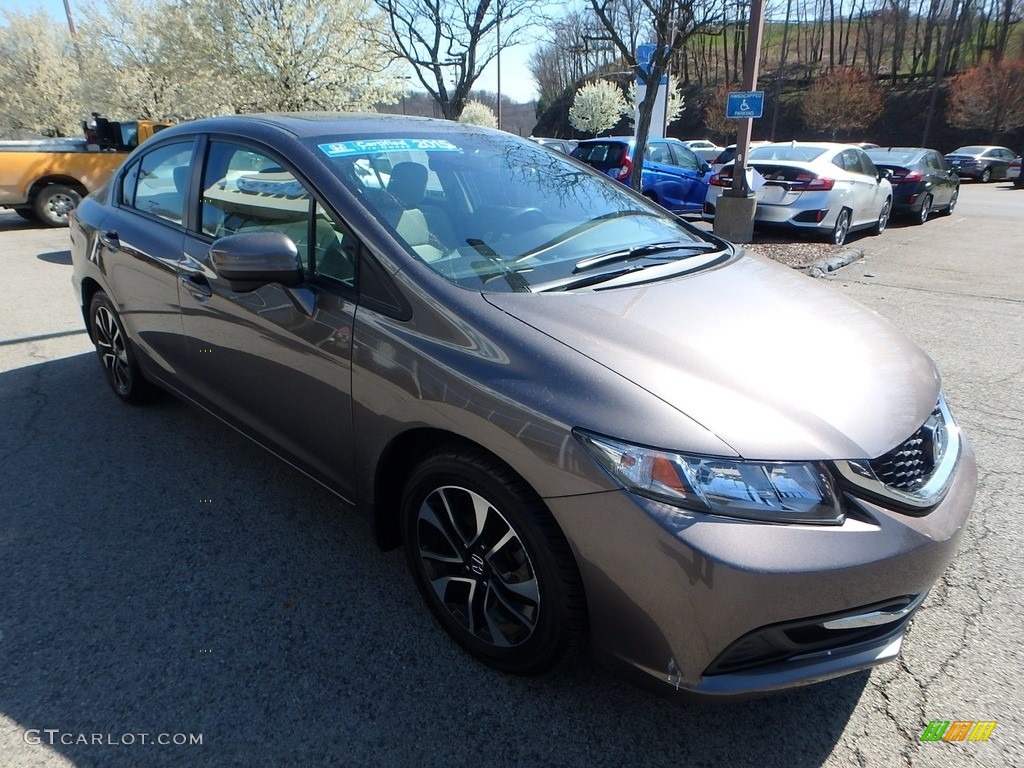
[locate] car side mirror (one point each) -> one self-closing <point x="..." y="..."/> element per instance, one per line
<point x="884" y="173"/>
<point x="250" y="259"/>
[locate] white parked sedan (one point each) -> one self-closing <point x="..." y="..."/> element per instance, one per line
<point x="704" y="148"/>
<point x="829" y="188"/>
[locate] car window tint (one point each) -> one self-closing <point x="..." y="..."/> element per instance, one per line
<point x="162" y="181"/>
<point x="336" y="249"/>
<point x="658" y="153"/>
<point x="247" y="191"/>
<point x="684" y="157"/>
<point x="128" y="184"/>
<point x="865" y="165"/>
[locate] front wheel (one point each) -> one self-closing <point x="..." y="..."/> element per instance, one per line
<point x="841" y="228"/>
<point x="491" y="562"/>
<point x="925" y="212"/>
<point x="54" y="202"/>
<point x="115" y="352"/>
<point x="883" y="218"/>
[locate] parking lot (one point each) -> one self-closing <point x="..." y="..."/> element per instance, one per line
<point x="163" y="576"/>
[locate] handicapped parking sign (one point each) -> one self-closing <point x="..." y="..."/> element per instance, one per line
<point x="743" y="105"/>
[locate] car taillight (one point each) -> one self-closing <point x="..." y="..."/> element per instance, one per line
<point x="906" y="177"/>
<point x="810" y="182"/>
<point x="623" y="173"/>
<point x="1015" y="163"/>
<point x="721" y="179"/>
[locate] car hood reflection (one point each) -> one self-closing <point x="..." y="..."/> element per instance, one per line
<point x="778" y="366"/>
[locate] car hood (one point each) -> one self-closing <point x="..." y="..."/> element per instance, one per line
<point x="776" y="365"/>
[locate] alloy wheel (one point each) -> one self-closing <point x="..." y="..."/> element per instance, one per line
<point x="477" y="566"/>
<point x="110" y="343"/>
<point x="926" y="209"/>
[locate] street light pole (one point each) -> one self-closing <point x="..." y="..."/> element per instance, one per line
<point x="499" y="66"/>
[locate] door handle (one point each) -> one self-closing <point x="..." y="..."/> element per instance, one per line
<point x="198" y="286"/>
<point x="110" y="240"/>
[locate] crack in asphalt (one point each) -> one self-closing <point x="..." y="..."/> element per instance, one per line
<point x="30" y="428"/>
<point x="931" y="291"/>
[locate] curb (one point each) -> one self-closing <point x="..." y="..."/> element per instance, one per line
<point x="821" y="268"/>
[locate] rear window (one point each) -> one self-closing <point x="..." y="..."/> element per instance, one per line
<point x="607" y="154"/>
<point x="786" y="152"/>
<point x="968" y="151"/>
<point x="884" y="157"/>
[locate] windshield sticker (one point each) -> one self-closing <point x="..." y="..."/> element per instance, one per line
<point x="365" y="146"/>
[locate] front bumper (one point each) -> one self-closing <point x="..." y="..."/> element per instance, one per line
<point x="678" y="599"/>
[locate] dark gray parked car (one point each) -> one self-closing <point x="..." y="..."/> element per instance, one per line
<point x="580" y="416"/>
<point x="982" y="163"/>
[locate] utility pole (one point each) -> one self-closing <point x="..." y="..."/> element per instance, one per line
<point x="499" y="66"/>
<point x="74" y="36"/>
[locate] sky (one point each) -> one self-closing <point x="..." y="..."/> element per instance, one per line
<point x="516" y="81"/>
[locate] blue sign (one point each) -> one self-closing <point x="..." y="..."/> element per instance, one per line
<point x="745" y="105"/>
<point x="644" y="54"/>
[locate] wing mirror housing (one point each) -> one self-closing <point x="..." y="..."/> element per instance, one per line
<point x="250" y="259"/>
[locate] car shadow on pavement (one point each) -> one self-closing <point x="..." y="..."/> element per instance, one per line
<point x="163" y="575"/>
<point x="56" y="257"/>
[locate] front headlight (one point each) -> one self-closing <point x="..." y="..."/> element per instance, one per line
<point x="770" y="491"/>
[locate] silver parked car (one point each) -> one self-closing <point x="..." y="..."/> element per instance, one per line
<point x="578" y="415"/>
<point x="832" y="189"/>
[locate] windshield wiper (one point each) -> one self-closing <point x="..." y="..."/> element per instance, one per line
<point x="639" y="251"/>
<point x="571" y="283"/>
<point x="515" y="281"/>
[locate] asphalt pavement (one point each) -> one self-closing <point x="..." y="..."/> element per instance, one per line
<point x="165" y="580"/>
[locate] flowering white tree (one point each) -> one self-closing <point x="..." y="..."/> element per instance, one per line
<point x="478" y="113"/>
<point x="676" y="103"/>
<point x="39" y="81"/>
<point x="597" y="107"/>
<point x="188" y="58"/>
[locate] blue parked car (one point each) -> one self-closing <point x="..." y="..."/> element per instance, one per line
<point x="674" y="176"/>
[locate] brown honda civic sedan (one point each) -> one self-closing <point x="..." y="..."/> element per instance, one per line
<point x="579" y="415"/>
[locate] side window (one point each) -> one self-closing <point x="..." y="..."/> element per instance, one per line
<point x="658" y="153"/>
<point x="246" y="191"/>
<point x="866" y="166"/>
<point x="162" y="181"/>
<point x="336" y="249"/>
<point x="128" y="184"/>
<point x="685" y="158"/>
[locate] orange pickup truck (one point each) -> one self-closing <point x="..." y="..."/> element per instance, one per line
<point x="43" y="180"/>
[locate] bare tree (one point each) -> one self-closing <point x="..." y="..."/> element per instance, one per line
<point x="668" y="25"/>
<point x="449" y="43"/>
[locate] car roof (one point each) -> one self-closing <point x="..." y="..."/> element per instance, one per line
<point x="310" y="124"/>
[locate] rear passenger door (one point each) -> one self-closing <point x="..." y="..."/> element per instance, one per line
<point x="672" y="174"/>
<point x="139" y="247"/>
<point x="274" y="361"/>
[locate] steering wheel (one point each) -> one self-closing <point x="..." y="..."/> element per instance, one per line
<point x="522" y="219"/>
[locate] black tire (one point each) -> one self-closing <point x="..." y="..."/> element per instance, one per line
<point x="491" y="563"/>
<point x="883" y="218"/>
<point x="925" y="212"/>
<point x="951" y="206"/>
<point x="841" y="228"/>
<point x="986" y="176"/>
<point x="115" y="352"/>
<point x="53" y="203"/>
<point x="27" y="214"/>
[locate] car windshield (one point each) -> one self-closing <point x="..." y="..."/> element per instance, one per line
<point x="499" y="213"/>
<point x="968" y="151"/>
<point x="786" y="152"/>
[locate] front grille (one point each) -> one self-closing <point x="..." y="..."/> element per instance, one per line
<point x="908" y="466"/>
